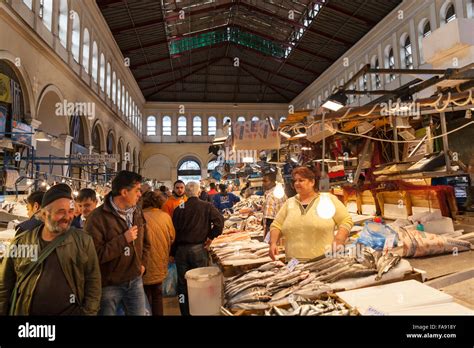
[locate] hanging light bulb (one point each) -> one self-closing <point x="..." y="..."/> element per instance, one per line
<point x="43" y="184"/>
<point x="48" y="187"/>
<point x="279" y="191"/>
<point x="325" y="208"/>
<point x="29" y="182"/>
<point x="63" y="181"/>
<point x="75" y="193"/>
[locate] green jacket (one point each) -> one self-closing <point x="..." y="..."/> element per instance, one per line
<point x="78" y="260"/>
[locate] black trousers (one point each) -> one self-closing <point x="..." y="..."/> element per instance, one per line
<point x="188" y="257"/>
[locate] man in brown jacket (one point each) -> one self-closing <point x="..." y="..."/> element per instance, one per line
<point x="120" y="237"/>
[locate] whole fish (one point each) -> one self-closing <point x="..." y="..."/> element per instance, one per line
<point x="391" y="262"/>
<point x="258" y="294"/>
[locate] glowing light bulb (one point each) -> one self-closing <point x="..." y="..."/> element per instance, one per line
<point x="48" y="187"/>
<point x="325" y="208"/>
<point x="75" y="193"/>
<point x="29" y="182"/>
<point x="43" y="184"/>
<point x="279" y="191"/>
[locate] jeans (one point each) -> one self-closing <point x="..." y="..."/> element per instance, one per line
<point x="155" y="298"/>
<point x="130" y="294"/>
<point x="188" y="256"/>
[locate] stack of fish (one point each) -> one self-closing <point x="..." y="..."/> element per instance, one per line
<point x="272" y="284"/>
<point x="225" y="239"/>
<point x="248" y="249"/>
<point x="305" y="307"/>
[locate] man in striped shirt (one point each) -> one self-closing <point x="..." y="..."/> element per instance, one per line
<point x="272" y="205"/>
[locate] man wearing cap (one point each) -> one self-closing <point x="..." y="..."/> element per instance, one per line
<point x="52" y="269"/>
<point x="120" y="237"/>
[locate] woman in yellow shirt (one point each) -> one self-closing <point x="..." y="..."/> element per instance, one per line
<point x="306" y="234"/>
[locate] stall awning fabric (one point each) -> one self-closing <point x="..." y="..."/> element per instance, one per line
<point x="255" y="135"/>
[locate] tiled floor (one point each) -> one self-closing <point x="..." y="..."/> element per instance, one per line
<point x="171" y="306"/>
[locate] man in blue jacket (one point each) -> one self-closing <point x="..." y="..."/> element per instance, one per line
<point x="224" y="200"/>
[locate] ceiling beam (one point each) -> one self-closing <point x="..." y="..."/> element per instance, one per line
<point x="169" y="18"/>
<point x="148" y="45"/>
<point x="140" y="25"/>
<point x="176" y="55"/>
<point x="162" y="72"/>
<point x="170" y="83"/>
<point x="343" y="11"/>
<point x="330" y="37"/>
<point x="269" y="85"/>
<point x="272" y="72"/>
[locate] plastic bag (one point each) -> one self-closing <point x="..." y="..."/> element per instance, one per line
<point x="374" y="235"/>
<point x="170" y="284"/>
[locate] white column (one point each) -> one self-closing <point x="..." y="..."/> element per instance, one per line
<point x="66" y="139"/>
<point x="415" y="49"/>
<point x="35" y="125"/>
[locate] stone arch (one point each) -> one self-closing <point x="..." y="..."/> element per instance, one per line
<point x="120" y="151"/>
<point x="159" y="167"/>
<point x="24" y="80"/>
<point x="128" y="163"/>
<point x="52" y="123"/>
<point x="111" y="142"/>
<point x="98" y="127"/>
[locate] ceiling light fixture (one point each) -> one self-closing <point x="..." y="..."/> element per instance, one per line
<point x="336" y="101"/>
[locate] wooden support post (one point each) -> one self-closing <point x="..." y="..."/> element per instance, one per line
<point x="395" y="137"/>
<point x="445" y="141"/>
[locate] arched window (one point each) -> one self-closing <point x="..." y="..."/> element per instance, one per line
<point x="350" y="97"/>
<point x="182" y="125"/>
<point x="62" y="22"/>
<point x="114" y="87"/>
<point x="151" y="125"/>
<point x="241" y="119"/>
<point x="227" y="121"/>
<point x="95" y="63"/>
<point x="189" y="170"/>
<point x="166" y="125"/>
<point x="119" y="95"/>
<point x="197" y="126"/>
<point x="450" y="14"/>
<point x="255" y="119"/>
<point x="85" y="50"/>
<point x="125" y="107"/>
<point x="211" y="125"/>
<point x="76" y="36"/>
<point x="407" y="54"/>
<point x="390" y="63"/>
<point x="28" y="3"/>
<point x="424" y="31"/>
<point x="96" y="143"/>
<point x="363" y="81"/>
<point x="376" y="82"/>
<point x="123" y="100"/>
<point x="108" y="81"/>
<point x="46" y="12"/>
<point x="110" y="143"/>
<point x="102" y="72"/>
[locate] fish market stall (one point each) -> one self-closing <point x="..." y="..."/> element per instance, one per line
<point x="275" y="284"/>
<point x="240" y="247"/>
